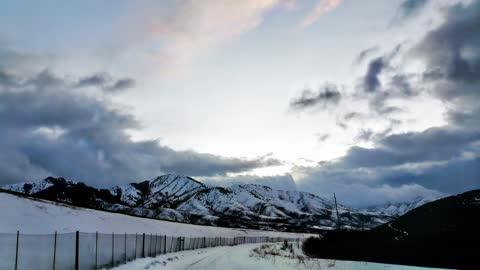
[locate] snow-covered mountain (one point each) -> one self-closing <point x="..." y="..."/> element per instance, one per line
<point x="182" y="198"/>
<point x="399" y="208"/>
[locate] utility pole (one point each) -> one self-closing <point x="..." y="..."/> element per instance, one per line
<point x="336" y="210"/>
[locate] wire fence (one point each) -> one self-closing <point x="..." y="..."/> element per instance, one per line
<point x="92" y="251"/>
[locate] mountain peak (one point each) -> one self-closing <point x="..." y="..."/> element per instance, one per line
<point x="175" y="177"/>
<point x="58" y="181"/>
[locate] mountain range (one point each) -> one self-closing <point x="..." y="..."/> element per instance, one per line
<point x="183" y="199"/>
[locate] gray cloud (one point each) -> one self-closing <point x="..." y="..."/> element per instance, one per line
<point x="365" y="54"/>
<point x="105" y="82"/>
<point x="120" y="85"/>
<point x="326" y="95"/>
<point x="452" y="54"/>
<point x="341" y="124"/>
<point x="412" y="7"/>
<point x="323" y="137"/>
<point x="351" y="116"/>
<point x="371" y="82"/>
<point x="434" y="144"/>
<point x="48" y="127"/>
<point x="364" y="135"/>
<point x="401" y="167"/>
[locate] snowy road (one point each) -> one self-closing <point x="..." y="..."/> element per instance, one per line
<point x="240" y="258"/>
<point x="220" y="258"/>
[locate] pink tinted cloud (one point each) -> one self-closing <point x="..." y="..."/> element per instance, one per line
<point x="322" y="7"/>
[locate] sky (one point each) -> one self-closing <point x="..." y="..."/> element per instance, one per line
<point x="375" y="100"/>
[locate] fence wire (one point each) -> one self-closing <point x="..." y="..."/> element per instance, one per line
<point x="92" y="251"/>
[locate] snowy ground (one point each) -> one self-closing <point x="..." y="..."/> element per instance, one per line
<point x="44" y="217"/>
<point x="249" y="257"/>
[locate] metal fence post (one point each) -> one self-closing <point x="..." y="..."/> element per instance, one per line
<point x="125" y="247"/>
<point x="151" y="243"/>
<point x="77" y="247"/>
<point x="143" y="246"/>
<point x="165" y="244"/>
<point x="155" y="249"/>
<point x="54" y="249"/>
<point x="16" y="251"/>
<point x="136" y="246"/>
<point x="113" y="249"/>
<point x="96" y="250"/>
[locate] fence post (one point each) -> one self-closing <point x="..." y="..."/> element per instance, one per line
<point x="125" y="247"/>
<point x="143" y="246"/>
<point x="16" y="251"/>
<point x="96" y="250"/>
<point x="165" y="244"/>
<point x="155" y="249"/>
<point x="150" y="248"/>
<point x="54" y="249"/>
<point x="77" y="247"/>
<point x="113" y="249"/>
<point x="136" y="247"/>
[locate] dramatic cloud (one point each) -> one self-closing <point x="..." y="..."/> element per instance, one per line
<point x="435" y="144"/>
<point x="50" y="127"/>
<point x="401" y="167"/>
<point x="452" y="53"/>
<point x="326" y="95"/>
<point x="434" y="162"/>
<point x="322" y="7"/>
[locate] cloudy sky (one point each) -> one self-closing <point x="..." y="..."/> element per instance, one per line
<point x="376" y="100"/>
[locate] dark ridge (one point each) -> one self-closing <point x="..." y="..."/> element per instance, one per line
<point x="443" y="233"/>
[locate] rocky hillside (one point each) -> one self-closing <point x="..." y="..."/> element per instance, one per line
<point x="182" y="198"/>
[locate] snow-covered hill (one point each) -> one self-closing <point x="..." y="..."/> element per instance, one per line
<point x="399" y="209"/>
<point x="37" y="216"/>
<point x="182" y="198"/>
